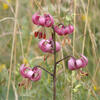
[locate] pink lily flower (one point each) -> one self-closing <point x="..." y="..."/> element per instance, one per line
<point x="32" y="74"/>
<point x="46" y="20"/>
<point x="74" y="64"/>
<point x="64" y="30"/>
<point x="47" y="46"/>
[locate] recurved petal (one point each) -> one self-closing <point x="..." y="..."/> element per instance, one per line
<point x="29" y="74"/>
<point x="58" y="47"/>
<point x="71" y="63"/>
<point x="84" y="60"/>
<point x="49" y="21"/>
<point x="37" y="74"/>
<point x="79" y="63"/>
<point x="35" y="18"/>
<point x="23" y="71"/>
<point x="71" y="28"/>
<point x="58" y="30"/>
<point x="41" y="20"/>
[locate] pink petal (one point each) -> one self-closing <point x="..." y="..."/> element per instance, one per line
<point x="79" y="63"/>
<point x="58" y="30"/>
<point x="35" y="18"/>
<point x="58" y="47"/>
<point x="67" y="30"/>
<point x="84" y="60"/>
<point x="37" y="74"/>
<point x="46" y="46"/>
<point x="71" y="29"/>
<point x="29" y="74"/>
<point x="71" y="64"/>
<point x="41" y="20"/>
<point x="23" y="69"/>
<point x="63" y="30"/>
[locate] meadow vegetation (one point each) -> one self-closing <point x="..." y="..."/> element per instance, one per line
<point x="18" y="45"/>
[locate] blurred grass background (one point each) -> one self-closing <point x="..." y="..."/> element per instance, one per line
<point x="18" y="45"/>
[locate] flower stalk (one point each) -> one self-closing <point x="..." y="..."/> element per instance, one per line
<point x="62" y="59"/>
<point x="45" y="70"/>
<point x="51" y="46"/>
<point x="54" y="73"/>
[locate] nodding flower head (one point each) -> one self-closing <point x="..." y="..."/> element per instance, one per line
<point x="45" y="20"/>
<point x="63" y="30"/>
<point x="74" y="64"/>
<point x="48" y="46"/>
<point x="49" y="21"/>
<point x="32" y="74"/>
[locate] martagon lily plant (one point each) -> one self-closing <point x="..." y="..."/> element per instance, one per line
<point x="51" y="46"/>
